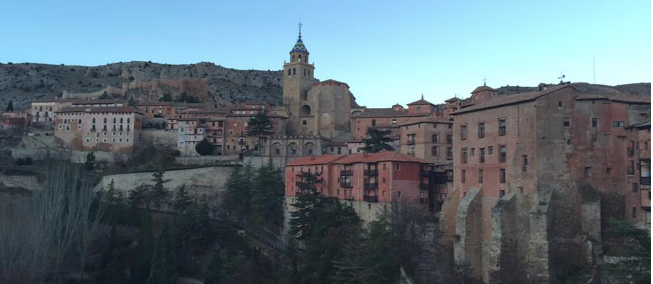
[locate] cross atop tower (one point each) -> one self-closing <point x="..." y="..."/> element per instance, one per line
<point x="300" y="29"/>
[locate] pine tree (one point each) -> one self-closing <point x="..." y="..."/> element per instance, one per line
<point x="214" y="271"/>
<point x="377" y="140"/>
<point x="10" y="106"/>
<point x="259" y="126"/>
<point x="239" y="186"/>
<point x="143" y="253"/>
<point x="90" y="161"/>
<point x="163" y="267"/>
<point x="159" y="192"/>
<point x="348" y="265"/>
<point x="308" y="207"/>
<point x="267" y="197"/>
<point x="182" y="199"/>
<point x="138" y="196"/>
<point x="380" y="259"/>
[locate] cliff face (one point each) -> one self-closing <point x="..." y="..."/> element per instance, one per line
<point x="24" y="82"/>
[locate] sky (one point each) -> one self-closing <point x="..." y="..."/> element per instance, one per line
<point x="387" y="51"/>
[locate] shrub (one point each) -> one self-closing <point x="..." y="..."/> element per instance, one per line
<point x="28" y="160"/>
<point x="20" y="162"/>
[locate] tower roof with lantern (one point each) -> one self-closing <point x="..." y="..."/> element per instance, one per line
<point x="299" y="46"/>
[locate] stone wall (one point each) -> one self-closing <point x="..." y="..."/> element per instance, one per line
<point x="200" y="180"/>
<point x="159" y="138"/>
<point x="469" y="228"/>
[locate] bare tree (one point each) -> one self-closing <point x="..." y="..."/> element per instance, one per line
<point x="41" y="233"/>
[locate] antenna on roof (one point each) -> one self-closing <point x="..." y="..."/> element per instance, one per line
<point x="562" y="77"/>
<point x="300" y="28"/>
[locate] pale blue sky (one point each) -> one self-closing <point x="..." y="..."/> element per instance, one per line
<point x="387" y="51"/>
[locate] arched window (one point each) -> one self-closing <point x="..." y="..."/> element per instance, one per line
<point x="293" y="71"/>
<point x="105" y="120"/>
<point x="305" y="110"/>
<point x="114" y="120"/>
<point x="128" y="121"/>
<point x="305" y="96"/>
<point x="121" y="120"/>
<point x="288" y="71"/>
<point x="94" y="120"/>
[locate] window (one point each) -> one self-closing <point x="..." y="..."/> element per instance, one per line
<point x="634" y="212"/>
<point x="481" y="130"/>
<point x="608" y="171"/>
<point x="65" y="121"/>
<point x="435" y="138"/>
<point x="394" y="121"/>
<point x="463" y="132"/>
<point x="502" y="193"/>
<point x="559" y="103"/>
<point x="502" y="127"/>
<point x="595" y="122"/>
<point x="588" y="171"/>
<point x="373" y="122"/>
<point x="339" y="151"/>
<point x="618" y="124"/>
<point x="88" y="140"/>
<point x="635" y="188"/>
<point x="566" y="122"/>
<point x="434" y="151"/>
<point x="449" y="138"/>
<point x="384" y="166"/>
<point x="481" y="155"/>
<point x="449" y="153"/>
<point x="398" y="193"/>
<point x="294" y="71"/>
<point x="462" y="176"/>
<point x="472" y="152"/>
<point x="303" y="122"/>
<point x="480" y="176"/>
<point x="397" y="166"/>
<point x="463" y="156"/>
<point x="490" y="150"/>
<point x="502" y="154"/>
<point x="502" y="176"/>
<point x="60" y="126"/>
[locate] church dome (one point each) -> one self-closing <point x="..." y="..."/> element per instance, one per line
<point x="299" y="46"/>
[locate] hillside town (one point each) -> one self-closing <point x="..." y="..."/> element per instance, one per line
<point x="519" y="184"/>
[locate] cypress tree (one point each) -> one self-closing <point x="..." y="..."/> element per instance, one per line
<point x="10" y="106"/>
<point x="163" y="267"/>
<point x="159" y="192"/>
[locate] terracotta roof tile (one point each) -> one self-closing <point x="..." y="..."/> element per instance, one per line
<point x="483" y="88"/>
<point x="385" y="112"/>
<point x="510" y="99"/>
<point x="422" y="101"/>
<point x="315" y="160"/>
<point x="379" y="157"/>
<point x="127" y="109"/>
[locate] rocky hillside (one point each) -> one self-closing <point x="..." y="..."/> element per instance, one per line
<point x="635" y="89"/>
<point x="27" y="81"/>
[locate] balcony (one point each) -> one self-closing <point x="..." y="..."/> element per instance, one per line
<point x="645" y="181"/>
<point x="349" y="197"/>
<point x="371" y="172"/>
<point x="371" y="198"/>
<point x="370" y="185"/>
<point x="410" y="142"/>
<point x="631" y="152"/>
<point x="346" y="173"/>
<point x="346" y="184"/>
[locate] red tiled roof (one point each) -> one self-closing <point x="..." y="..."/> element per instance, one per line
<point x="430" y="119"/>
<point x="315" y="160"/>
<point x="451" y="100"/>
<point x="483" y="88"/>
<point x="510" y="99"/>
<point x="330" y="81"/>
<point x="422" y="101"/>
<point x="79" y="102"/>
<point x="127" y="109"/>
<point x="616" y="97"/>
<point x="379" y="157"/>
<point x="385" y="112"/>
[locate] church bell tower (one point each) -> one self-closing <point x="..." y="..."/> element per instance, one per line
<point x="297" y="81"/>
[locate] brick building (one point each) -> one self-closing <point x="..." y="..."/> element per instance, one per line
<point x="367" y="182"/>
<point x="431" y="139"/>
<point x="98" y="128"/>
<point x="540" y="164"/>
